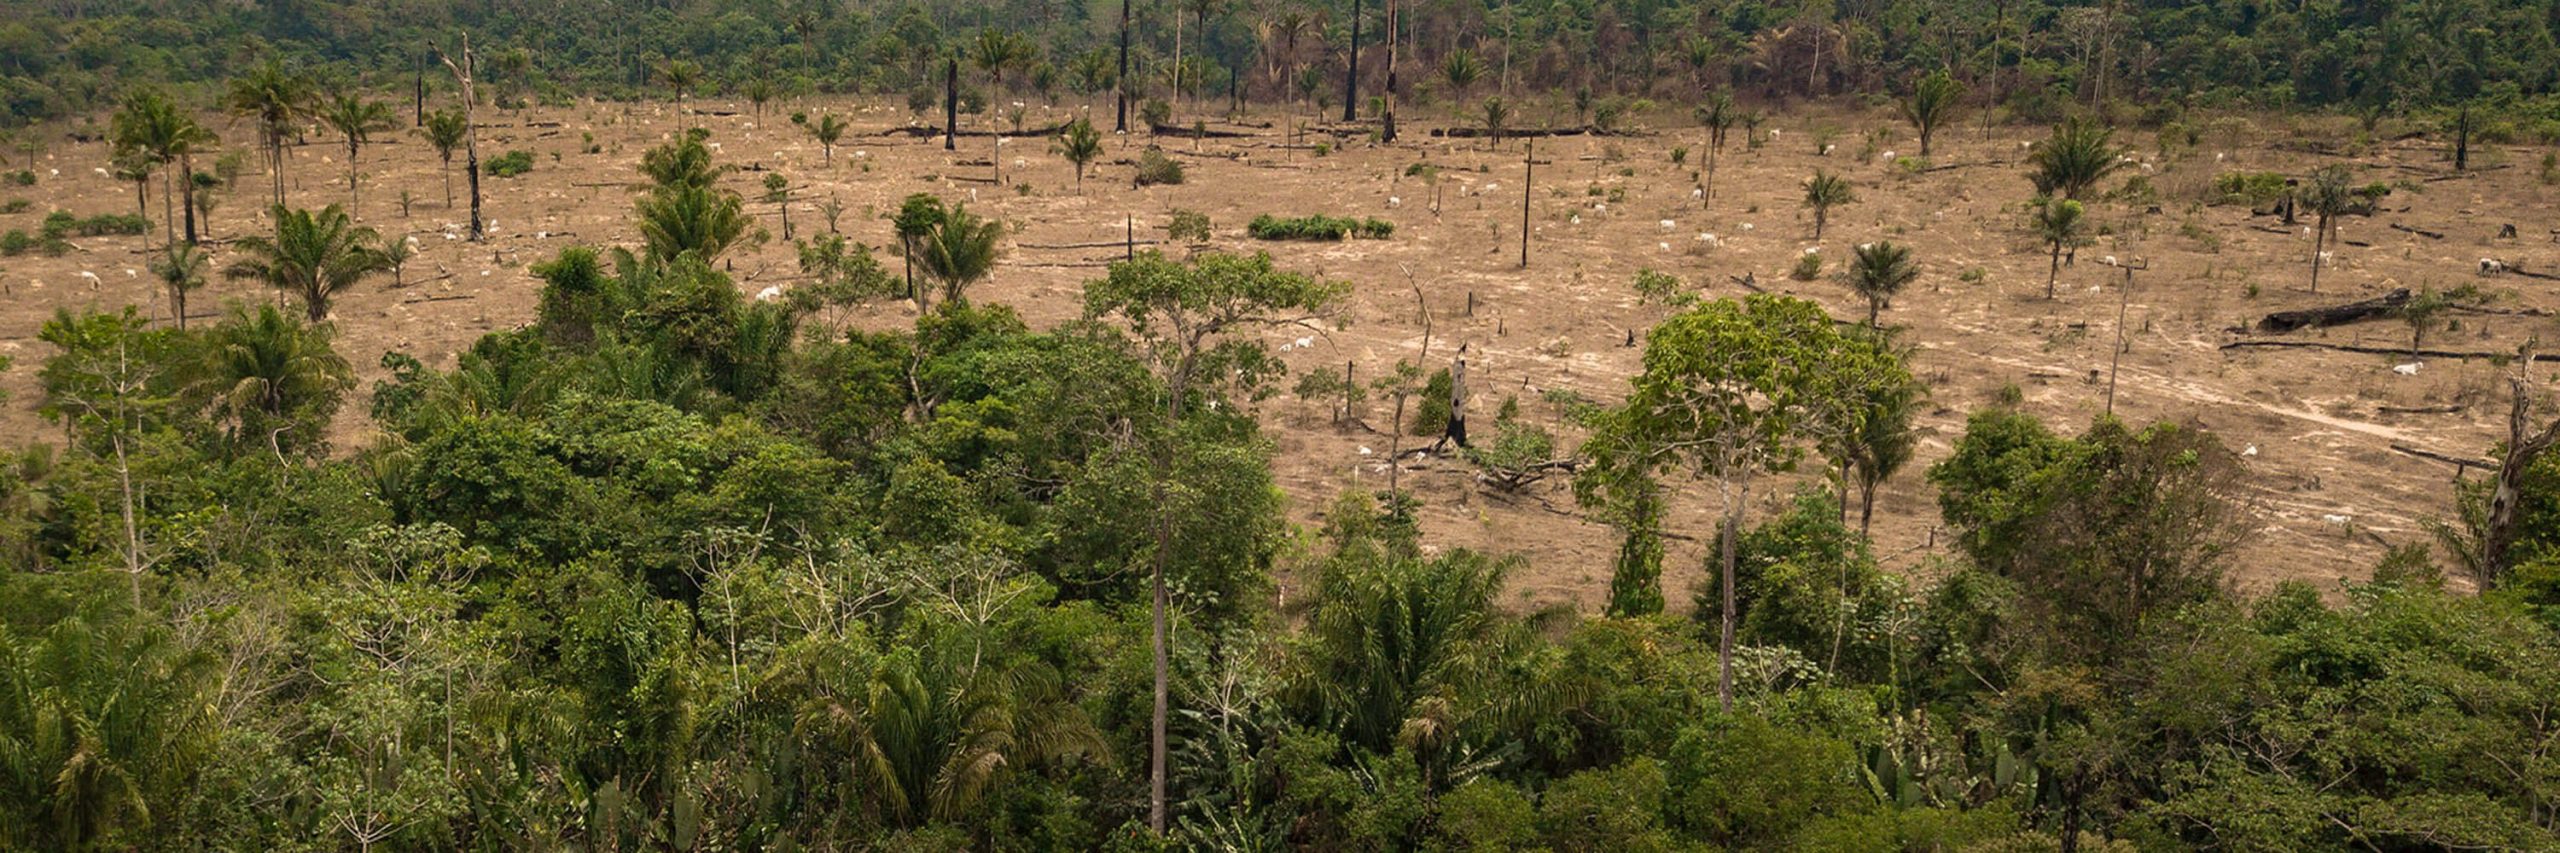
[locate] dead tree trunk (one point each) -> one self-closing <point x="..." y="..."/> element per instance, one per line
<point x="2522" y="450"/>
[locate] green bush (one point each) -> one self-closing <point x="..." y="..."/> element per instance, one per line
<point x="23" y="177"/>
<point x="2248" y="187"/>
<point x="1808" y="267"/>
<point x="1318" y="227"/>
<point x="1191" y="225"/>
<point x="508" y="165"/>
<point x="61" y="223"/>
<point x="1155" y="168"/>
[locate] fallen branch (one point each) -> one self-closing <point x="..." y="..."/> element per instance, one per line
<point x="2399" y="351"/>
<point x="2431" y="235"/>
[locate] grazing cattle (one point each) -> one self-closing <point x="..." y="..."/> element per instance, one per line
<point x="2492" y="266"/>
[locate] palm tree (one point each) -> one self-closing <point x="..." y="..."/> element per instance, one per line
<point x="1462" y="70"/>
<point x="697" y="219"/>
<point x="181" y="269"/>
<point x="272" y="379"/>
<point x="1932" y="102"/>
<point x="828" y="130"/>
<point x="1718" y="116"/>
<point x="959" y="251"/>
<point x="358" y="120"/>
<point x="1824" y="192"/>
<point x="2059" y="223"/>
<point x="758" y="90"/>
<point x="446" y="130"/>
<point x="681" y="76"/>
<point x="2076" y="157"/>
<point x="1497" y="118"/>
<point x="996" y="52"/>
<point x="1080" y="144"/>
<point x="1883" y="442"/>
<point x="136" y="166"/>
<point x="916" y="217"/>
<point x="313" y="256"/>
<point x="277" y="100"/>
<point x="164" y="134"/>
<point x="1881" y="270"/>
<point x="2328" y="196"/>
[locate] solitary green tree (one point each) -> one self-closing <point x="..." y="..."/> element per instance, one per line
<point x="2060" y="223"/>
<point x="1080" y="144"/>
<point x="1732" y="390"/>
<point x="1824" y="192"/>
<point x="1932" y="102"/>
<point x="312" y="256"/>
<point x="1881" y="269"/>
<point x="357" y="120"/>
<point x="1183" y="315"/>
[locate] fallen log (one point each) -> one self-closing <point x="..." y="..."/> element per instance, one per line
<point x="912" y="130"/>
<point x="2335" y="315"/>
<point x="1198" y="132"/>
<point x="2450" y="459"/>
<point x="2431" y="235"/>
<point x="2398" y="351"/>
<point x="1104" y="244"/>
<point x="2448" y="409"/>
<point x="1522" y="133"/>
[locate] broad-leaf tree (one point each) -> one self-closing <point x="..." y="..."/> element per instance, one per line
<point x="1189" y="319"/>
<point x="1732" y="390"/>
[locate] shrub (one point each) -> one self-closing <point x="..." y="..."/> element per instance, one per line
<point x="23" y="177"/>
<point x="1155" y="168"/>
<point x="20" y="205"/>
<point x="61" y="222"/>
<point x="508" y="165"/>
<point x="1318" y="227"/>
<point x="2251" y="188"/>
<point x="1155" y="112"/>
<point x="17" y="243"/>
<point x="1189" y="225"/>
<point x="1808" y="267"/>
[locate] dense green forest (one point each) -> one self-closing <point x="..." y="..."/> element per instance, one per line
<point x="64" y="57"/>
<point x="671" y="568"/>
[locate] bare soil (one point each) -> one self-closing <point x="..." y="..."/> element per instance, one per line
<point x="2330" y="490"/>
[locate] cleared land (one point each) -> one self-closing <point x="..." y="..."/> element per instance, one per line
<point x="2322" y="425"/>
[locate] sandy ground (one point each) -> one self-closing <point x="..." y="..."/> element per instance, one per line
<point x="1601" y="209"/>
